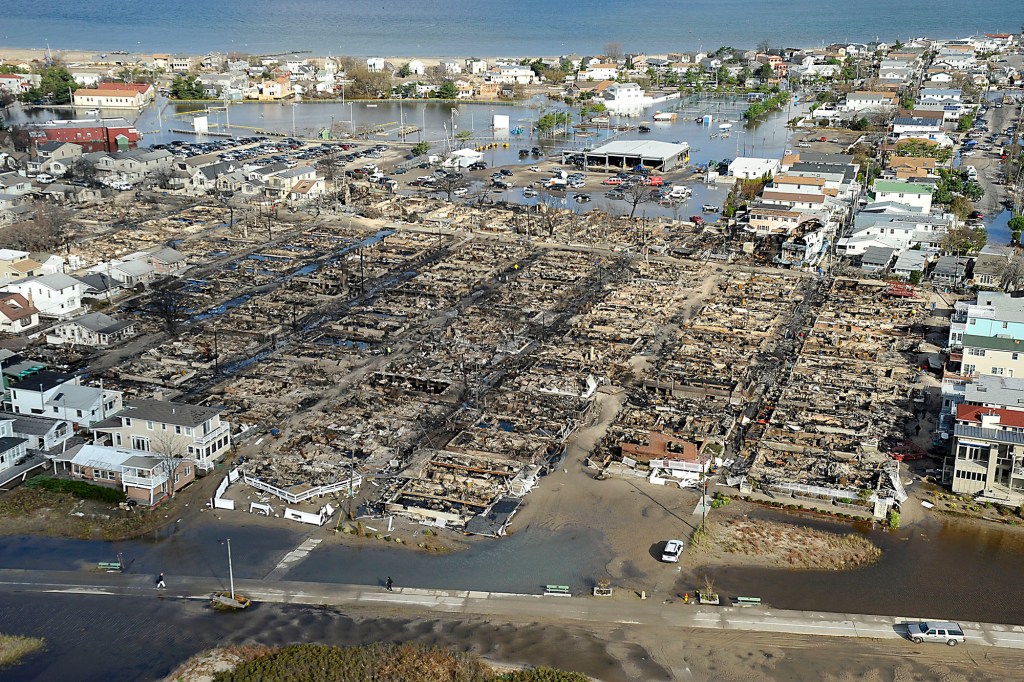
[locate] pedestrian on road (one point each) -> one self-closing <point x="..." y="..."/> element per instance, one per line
<point x="388" y="584"/>
<point x="917" y="430"/>
<point x="160" y="585"/>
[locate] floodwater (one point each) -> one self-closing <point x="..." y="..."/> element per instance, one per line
<point x="100" y="638"/>
<point x="934" y="569"/>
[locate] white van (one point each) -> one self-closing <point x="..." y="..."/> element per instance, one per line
<point x="972" y="172"/>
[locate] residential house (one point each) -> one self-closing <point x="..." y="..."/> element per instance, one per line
<point x="167" y="261"/>
<point x="17" y="315"/>
<point x="171" y="428"/>
<point x="375" y="64"/>
<point x="280" y="183"/>
<point x="451" y="67"/>
<point x="55" y="295"/>
<point x="39" y="433"/>
<point x="990" y="265"/>
<point x="54" y="157"/>
<point x="305" y="191"/>
<point x="93" y="329"/>
<point x="416" y="67"/>
<point x="988" y="454"/>
<point x="915" y="194"/>
<point x="145" y="478"/>
<point x="15" y="265"/>
<point x="61" y="396"/>
<point x="12" y="448"/>
<point x="625" y="98"/>
<point x="910" y="262"/>
<point x="750" y="168"/>
<point x="512" y="74"/>
<point x="868" y="101"/>
<point x="17" y="83"/>
<point x="105" y="97"/>
<point x="877" y="259"/>
<point x="949" y="270"/>
<point x="600" y="72"/>
<point x="99" y="286"/>
<point x="15" y="184"/>
<point x="131" y="273"/>
<point x="476" y="67"/>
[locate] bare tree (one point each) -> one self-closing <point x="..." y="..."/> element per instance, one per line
<point x="167" y="306"/>
<point x="51" y="229"/>
<point x="764" y="46"/>
<point x="448" y="184"/>
<point x="161" y="177"/>
<point x="1012" y="275"/>
<point x="613" y="52"/>
<point x="636" y="195"/>
<point x="170" y="448"/>
<point x="83" y="169"/>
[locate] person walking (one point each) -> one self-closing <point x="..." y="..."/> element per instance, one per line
<point x="160" y="585"/>
<point x="388" y="584"/>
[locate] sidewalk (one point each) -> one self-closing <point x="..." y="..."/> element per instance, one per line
<point x="513" y="607"/>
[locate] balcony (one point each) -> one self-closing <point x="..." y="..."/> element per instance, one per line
<point x="224" y="428"/>
<point x="147" y="482"/>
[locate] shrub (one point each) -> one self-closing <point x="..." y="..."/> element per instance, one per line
<point x="894" y="519"/>
<point x="79" y="489"/>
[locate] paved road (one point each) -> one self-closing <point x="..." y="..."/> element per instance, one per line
<point x="624" y="608"/>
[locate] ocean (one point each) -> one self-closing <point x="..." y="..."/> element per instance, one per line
<point x="432" y="28"/>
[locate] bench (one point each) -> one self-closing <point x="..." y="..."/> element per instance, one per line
<point x="747" y="601"/>
<point x="110" y="566"/>
<point x="557" y="591"/>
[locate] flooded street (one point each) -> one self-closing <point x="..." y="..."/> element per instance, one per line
<point x="937" y="569"/>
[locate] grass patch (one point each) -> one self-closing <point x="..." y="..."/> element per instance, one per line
<point x="79" y="489"/>
<point x="379" y="661"/>
<point x="15" y="647"/>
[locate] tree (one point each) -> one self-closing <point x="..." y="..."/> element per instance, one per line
<point x="161" y="177"/>
<point x="420" y="148"/>
<point x="83" y="169"/>
<point x="168" y="307"/>
<point x="915" y="277"/>
<point x="861" y="123"/>
<point x="765" y="72"/>
<point x="170" y="449"/>
<point x="964" y="239"/>
<point x="613" y="52"/>
<point x="187" y="87"/>
<point x="744" y="75"/>
<point x="55" y="84"/>
<point x="636" y="195"/>
<point x="1012" y="276"/>
<point x="966" y="123"/>
<point x="368" y="84"/>
<point x="961" y="207"/>
<point x="464" y="136"/>
<point x="764" y="46"/>
<point x="404" y="71"/>
<point x="898" y="45"/>
<point x="448" y="184"/>
<point x="447" y="90"/>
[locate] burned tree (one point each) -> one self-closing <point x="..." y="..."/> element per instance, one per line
<point x="636" y="195"/>
<point x="167" y="306"/>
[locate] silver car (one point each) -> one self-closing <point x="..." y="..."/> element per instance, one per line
<point x="950" y="633"/>
<point x="673" y="548"/>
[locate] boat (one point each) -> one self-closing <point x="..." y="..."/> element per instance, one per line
<point x="600" y="119"/>
<point x="724" y="126"/>
<point x="92" y="112"/>
<point x="644" y="129"/>
<point x="664" y="116"/>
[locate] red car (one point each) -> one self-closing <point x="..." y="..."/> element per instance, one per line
<point x="822" y="139"/>
<point x="612" y="181"/>
<point x="696" y="220"/>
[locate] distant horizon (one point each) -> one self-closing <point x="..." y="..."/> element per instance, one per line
<point x="452" y="28"/>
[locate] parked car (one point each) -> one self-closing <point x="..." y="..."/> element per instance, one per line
<point x="506" y="172"/>
<point x="612" y="181"/>
<point x="534" y="169"/>
<point x="697" y="220"/>
<point x="44" y="178"/>
<point x="949" y="633"/>
<point x="709" y="208"/>
<point x="673" y="549"/>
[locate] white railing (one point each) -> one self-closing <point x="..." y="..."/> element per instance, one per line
<point x="293" y="498"/>
<point x="224" y="427"/>
<point x="150" y="482"/>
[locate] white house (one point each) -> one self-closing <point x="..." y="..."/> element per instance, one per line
<point x="600" y="72"/>
<point x="93" y="329"/>
<point x="626" y="98"/>
<point x="61" y="396"/>
<point x="17" y="315"/>
<point x="55" y="295"/>
<point x="512" y="74"/>
<point x="375" y="64"/>
<point x="751" y="168"/>
<point x="917" y="195"/>
<point x="867" y="101"/>
<point x="451" y="68"/>
<point x="40" y="433"/>
<point x="12" y="448"/>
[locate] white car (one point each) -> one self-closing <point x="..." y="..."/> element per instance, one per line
<point x="44" y="178"/>
<point x="948" y="633"/>
<point x="673" y="548"/>
<point x="535" y="169"/>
